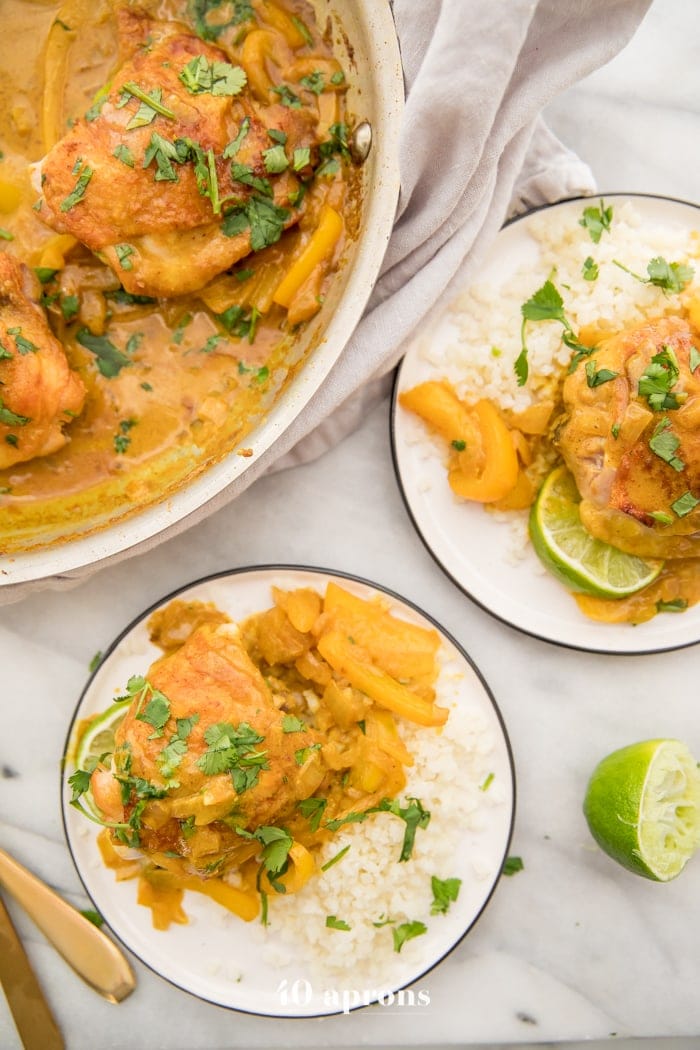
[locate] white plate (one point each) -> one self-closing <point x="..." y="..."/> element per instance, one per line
<point x="473" y="547"/>
<point x="224" y="960"/>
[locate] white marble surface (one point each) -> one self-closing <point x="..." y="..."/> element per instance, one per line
<point x="572" y="948"/>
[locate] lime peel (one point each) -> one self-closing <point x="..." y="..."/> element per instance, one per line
<point x="642" y="806"/>
<point x="580" y="561"/>
<point x="98" y="739"/>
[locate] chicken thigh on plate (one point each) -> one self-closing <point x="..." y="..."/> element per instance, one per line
<point x="179" y="169"/>
<point x="205" y="735"/>
<point x="630" y="436"/>
<point x="39" y="393"/>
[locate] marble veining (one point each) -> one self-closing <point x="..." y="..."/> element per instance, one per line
<point x="571" y="948"/>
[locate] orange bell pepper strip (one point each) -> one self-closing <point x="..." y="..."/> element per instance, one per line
<point x="320" y="247"/>
<point x="500" y="470"/>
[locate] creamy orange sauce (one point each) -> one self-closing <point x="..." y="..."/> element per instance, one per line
<point x="188" y="391"/>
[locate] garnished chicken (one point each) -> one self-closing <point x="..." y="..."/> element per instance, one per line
<point x="631" y="438"/>
<point x="39" y="394"/>
<point x="205" y="736"/>
<point x="179" y="170"/>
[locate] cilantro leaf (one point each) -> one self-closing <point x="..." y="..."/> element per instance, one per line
<point x="589" y="269"/>
<point x="79" y="189"/>
<point x="545" y="305"/>
<point x="684" y="504"/>
<point x="216" y="78"/>
<point x="275" y="160"/>
<point x="292" y="724"/>
<point x="312" y="809"/>
<point x="406" y="931"/>
<point x="332" y="923"/>
<point x="596" y="220"/>
<point x="445" y="891"/>
<point x="598" y="376"/>
<point x="512" y="865"/>
<point x="665" y="444"/>
<point x="156" y="712"/>
<point x="660" y="375"/>
<point x="124" y="154"/>
<point x="151" y="105"/>
<point x="671" y="277"/>
<point x="234" y="146"/>
<point x="303" y="753"/>
<point x="413" y="815"/>
<point x="110" y="360"/>
<point x="694" y="358"/>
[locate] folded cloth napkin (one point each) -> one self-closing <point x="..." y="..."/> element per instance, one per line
<point x="473" y="151"/>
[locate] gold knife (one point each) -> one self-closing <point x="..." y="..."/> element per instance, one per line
<point x="33" y="1018"/>
<point x="90" y="952"/>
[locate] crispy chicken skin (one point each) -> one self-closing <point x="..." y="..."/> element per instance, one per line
<point x="211" y="676"/>
<point x="627" y="489"/>
<point x="171" y="235"/>
<point x="39" y="393"/>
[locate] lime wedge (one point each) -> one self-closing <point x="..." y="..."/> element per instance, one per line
<point x="98" y="740"/>
<point x="580" y="561"/>
<point x="642" y="805"/>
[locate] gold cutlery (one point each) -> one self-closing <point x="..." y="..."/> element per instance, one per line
<point x="35" y="1023"/>
<point x="92" y="954"/>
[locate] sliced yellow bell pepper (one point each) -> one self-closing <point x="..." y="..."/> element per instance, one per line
<point x="500" y="471"/>
<point x="320" y="247"/>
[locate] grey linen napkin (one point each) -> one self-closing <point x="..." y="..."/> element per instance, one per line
<point x="473" y="151"/>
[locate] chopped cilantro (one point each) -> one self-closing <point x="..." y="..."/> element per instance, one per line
<point x="512" y="865"/>
<point x="660" y="375"/>
<point x="89" y="913"/>
<point x="292" y="724"/>
<point x="445" y="892"/>
<point x="70" y="305"/>
<point x="303" y="29"/>
<point x="8" y="418"/>
<point x="151" y="105"/>
<point x="244" y="173"/>
<point x="334" y="860"/>
<point x="287" y="97"/>
<point x="684" y="504"/>
<point x="5" y="235"/>
<point x="24" y="345"/>
<point x="314" y="82"/>
<point x="234" y="146"/>
<point x="458" y="445"/>
<point x="215" y="78"/>
<point x="303" y="753"/>
<point x="413" y="815"/>
<point x="231" y="749"/>
<point x="598" y="376"/>
<point x="265" y="219"/>
<point x="312" y="809"/>
<point x="301" y="158"/>
<point x="238" y="10"/>
<point x="406" y="931"/>
<point x="590" y="269"/>
<point x="336" y="924"/>
<point x="45" y="273"/>
<point x="670" y="277"/>
<point x="124" y="154"/>
<point x="596" y="220"/>
<point x="275" y="160"/>
<point x="110" y="360"/>
<point x="95" y="662"/>
<point x="487" y="782"/>
<point x="78" y="191"/>
<point x="694" y="358"/>
<point x="124" y="253"/>
<point x="277" y="136"/>
<point x="665" y="444"/>
<point x="165" y="153"/>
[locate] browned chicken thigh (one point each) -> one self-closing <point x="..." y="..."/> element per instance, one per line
<point x="631" y="438"/>
<point x="213" y="743"/>
<point x="179" y="171"/>
<point x="39" y="394"/>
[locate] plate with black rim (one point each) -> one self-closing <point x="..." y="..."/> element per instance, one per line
<point x="488" y="556"/>
<point x="266" y="970"/>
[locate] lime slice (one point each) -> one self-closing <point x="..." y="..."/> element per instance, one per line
<point x="580" y="561"/>
<point x="642" y="805"/>
<point x="98" y="740"/>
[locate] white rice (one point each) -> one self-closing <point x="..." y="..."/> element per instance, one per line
<point x="488" y="315"/>
<point x="368" y="885"/>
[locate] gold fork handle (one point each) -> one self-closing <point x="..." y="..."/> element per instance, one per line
<point x="92" y="954"/>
